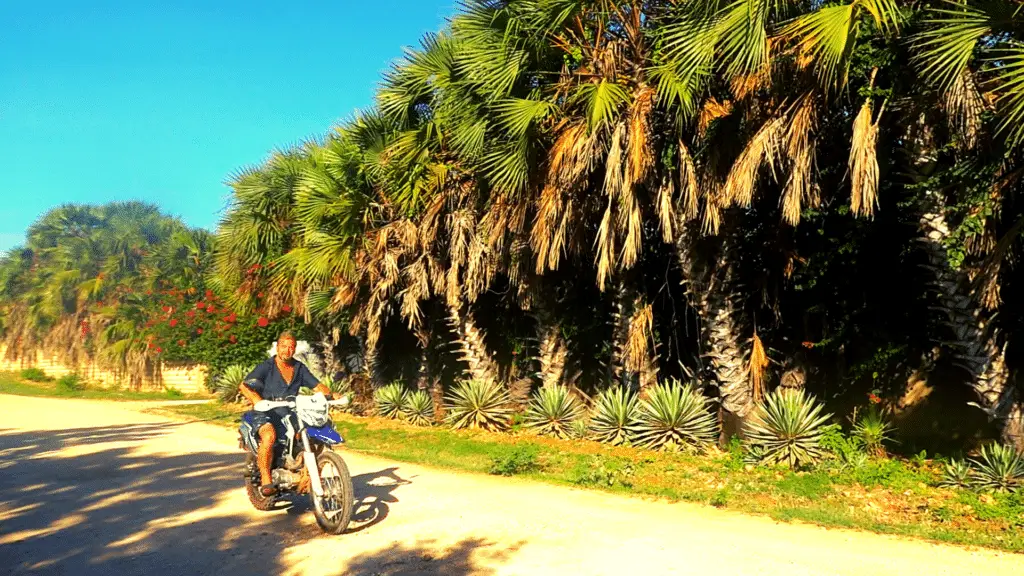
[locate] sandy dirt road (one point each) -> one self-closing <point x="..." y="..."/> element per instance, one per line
<point x="92" y="487"/>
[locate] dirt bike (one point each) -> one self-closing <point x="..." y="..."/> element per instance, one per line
<point x="303" y="460"/>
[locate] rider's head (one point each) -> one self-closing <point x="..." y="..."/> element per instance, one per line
<point x="286" y="346"/>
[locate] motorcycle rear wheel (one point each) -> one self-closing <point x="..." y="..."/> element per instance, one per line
<point x="333" y="510"/>
<point x="252" y="487"/>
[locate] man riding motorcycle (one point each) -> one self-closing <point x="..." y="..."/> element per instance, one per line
<point x="276" y="379"/>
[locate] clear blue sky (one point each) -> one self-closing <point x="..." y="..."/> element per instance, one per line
<point x="162" y="101"/>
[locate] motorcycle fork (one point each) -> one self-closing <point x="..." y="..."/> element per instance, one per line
<point x="309" y="459"/>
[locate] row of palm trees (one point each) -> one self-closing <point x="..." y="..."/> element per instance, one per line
<point x="80" y="286"/>
<point x="534" y="137"/>
<point x="595" y="192"/>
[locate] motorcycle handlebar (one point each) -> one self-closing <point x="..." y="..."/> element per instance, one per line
<point x="267" y="405"/>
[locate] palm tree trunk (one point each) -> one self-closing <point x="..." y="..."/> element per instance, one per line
<point x="633" y="363"/>
<point x="974" y="344"/>
<point x="428" y="378"/>
<point x="712" y="290"/>
<point x="553" y="349"/>
<point x="471" y="346"/>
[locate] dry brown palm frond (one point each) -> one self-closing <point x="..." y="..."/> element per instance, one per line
<point x="764" y="148"/>
<point x="571" y="156"/>
<point x="758" y="367"/>
<point x="712" y="110"/>
<point x="605" y="247"/>
<point x="430" y="220"/>
<point x="666" y="208"/>
<point x="690" y="191"/>
<point x="964" y="106"/>
<point x="614" y="179"/>
<point x="639" y="155"/>
<point x="631" y="219"/>
<point x="800" y="149"/>
<point x="641" y="333"/>
<point x="864" y="162"/>
<point x="543" y="237"/>
<point x="713" y="205"/>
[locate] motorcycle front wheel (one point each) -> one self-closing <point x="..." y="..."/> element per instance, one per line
<point x="333" y="510"/>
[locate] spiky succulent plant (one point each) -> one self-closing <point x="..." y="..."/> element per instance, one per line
<point x="786" y="428"/>
<point x="552" y="411"/>
<point x="391" y="400"/>
<point x="478" y="404"/>
<point x="419" y="408"/>
<point x="676" y="417"/>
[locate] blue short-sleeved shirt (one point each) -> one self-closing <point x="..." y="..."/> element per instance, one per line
<point x="274" y="386"/>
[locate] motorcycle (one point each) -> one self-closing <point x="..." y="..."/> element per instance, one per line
<point x="303" y="460"/>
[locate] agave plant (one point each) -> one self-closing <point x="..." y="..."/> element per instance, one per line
<point x="419" y="408"/>
<point x="676" y="417"/>
<point x="958" y="474"/>
<point x="787" y="427"/>
<point x="999" y="468"/>
<point x="553" y="410"/>
<point x="616" y="417"/>
<point x="391" y="400"/>
<point x="226" y="384"/>
<point x="873" y="430"/>
<point x="479" y="404"/>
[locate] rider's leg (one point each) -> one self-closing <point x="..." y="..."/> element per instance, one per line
<point x="266" y="452"/>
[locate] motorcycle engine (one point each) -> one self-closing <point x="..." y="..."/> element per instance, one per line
<point x="284" y="477"/>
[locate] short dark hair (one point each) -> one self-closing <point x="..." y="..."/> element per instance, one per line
<point x="287" y="334"/>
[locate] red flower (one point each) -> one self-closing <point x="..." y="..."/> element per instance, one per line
<point x="874" y="399"/>
<point x="262" y="322"/>
<point x="259" y="294"/>
<point x="149" y="292"/>
<point x="209" y="294"/>
<point x="181" y="342"/>
<point x="159" y="349"/>
<point x="232" y="339"/>
<point x="286" y="308"/>
<point x="173" y="322"/>
<point x="199" y="330"/>
<point x="210" y="308"/>
<point x="190" y="313"/>
<point x="231" y="317"/>
<point x="200" y="305"/>
<point x="807" y="344"/>
<point x="166" y="308"/>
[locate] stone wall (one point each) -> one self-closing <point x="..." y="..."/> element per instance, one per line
<point x="184" y="378"/>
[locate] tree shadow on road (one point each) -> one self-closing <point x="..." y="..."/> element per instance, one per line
<point x="107" y="508"/>
<point x="374" y="496"/>
<point x="420" y="559"/>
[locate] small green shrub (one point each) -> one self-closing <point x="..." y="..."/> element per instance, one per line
<point x="676" y="417"/>
<point x="35" y="375"/>
<point x="846" y="451"/>
<point x="391" y="400"/>
<point x="616" y="417"/>
<point x="998" y="468"/>
<point x="225" y="385"/>
<point x="174" y="393"/>
<point x="873" y="430"/>
<point x="419" y="408"/>
<point x="479" y="404"/>
<point x="786" y="428"/>
<point x="553" y="410"/>
<point x="579" y="429"/>
<point x="70" y="383"/>
<point x="957" y="474"/>
<point x="598" y="471"/>
<point x="512" y="460"/>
